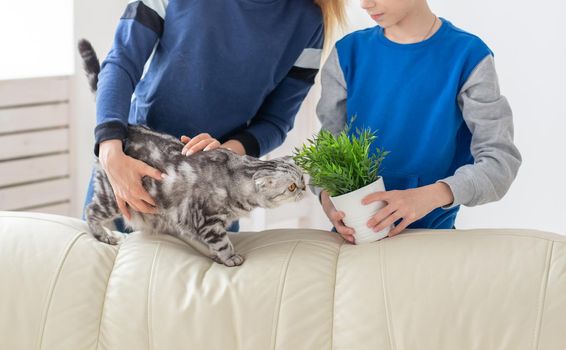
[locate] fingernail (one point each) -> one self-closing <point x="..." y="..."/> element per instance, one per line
<point x="164" y="176"/>
<point x="189" y="152"/>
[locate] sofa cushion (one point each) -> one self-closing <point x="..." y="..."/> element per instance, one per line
<point x="298" y="289"/>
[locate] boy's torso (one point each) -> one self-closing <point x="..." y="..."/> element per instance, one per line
<point x="409" y="95"/>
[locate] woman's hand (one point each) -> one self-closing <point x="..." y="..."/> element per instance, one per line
<point x="408" y="205"/>
<point x="234" y="146"/>
<point x="125" y="174"/>
<point x="336" y="217"/>
<point x="204" y="142"/>
<point x="201" y="142"/>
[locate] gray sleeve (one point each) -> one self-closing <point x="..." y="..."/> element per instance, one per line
<point x="496" y="158"/>
<point x="331" y="108"/>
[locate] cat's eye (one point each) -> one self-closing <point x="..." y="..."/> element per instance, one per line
<point x="292" y="188"/>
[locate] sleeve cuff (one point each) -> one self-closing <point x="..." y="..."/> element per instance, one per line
<point x="461" y="190"/>
<point x="250" y="143"/>
<point x="113" y="130"/>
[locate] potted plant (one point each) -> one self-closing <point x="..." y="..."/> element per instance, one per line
<point x="343" y="166"/>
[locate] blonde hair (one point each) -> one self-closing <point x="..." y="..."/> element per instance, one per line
<point x="334" y="17"/>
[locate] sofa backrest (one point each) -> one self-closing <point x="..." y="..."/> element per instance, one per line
<point x="298" y="289"/>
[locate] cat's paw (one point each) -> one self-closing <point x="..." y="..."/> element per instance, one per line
<point x="234" y="260"/>
<point x="112" y="239"/>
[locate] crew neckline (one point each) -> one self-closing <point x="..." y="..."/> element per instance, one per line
<point x="443" y="27"/>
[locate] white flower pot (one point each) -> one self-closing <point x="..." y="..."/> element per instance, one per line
<point x="357" y="214"/>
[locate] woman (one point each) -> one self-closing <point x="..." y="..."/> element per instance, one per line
<point x="235" y="71"/>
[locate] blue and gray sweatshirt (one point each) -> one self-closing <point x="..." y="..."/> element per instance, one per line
<point x="236" y="69"/>
<point x="437" y="108"/>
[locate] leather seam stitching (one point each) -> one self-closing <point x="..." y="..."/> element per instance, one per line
<point x="334" y="295"/>
<point x="280" y="293"/>
<point x="42" y="219"/>
<point x="245" y="252"/>
<point x="105" y="297"/>
<point x="473" y="231"/>
<point x="53" y="284"/>
<point x="542" y="296"/>
<point x="288" y="241"/>
<point x="150" y="295"/>
<point x="386" y="299"/>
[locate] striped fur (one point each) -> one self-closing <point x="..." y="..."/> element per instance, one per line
<point x="202" y="194"/>
<point x="91" y="64"/>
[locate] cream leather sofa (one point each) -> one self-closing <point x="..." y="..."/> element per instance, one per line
<point x="298" y="289"/>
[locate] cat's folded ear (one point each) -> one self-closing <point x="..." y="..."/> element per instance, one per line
<point x="263" y="179"/>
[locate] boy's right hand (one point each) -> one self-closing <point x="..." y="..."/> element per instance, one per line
<point x="336" y="217"/>
<point x="125" y="174"/>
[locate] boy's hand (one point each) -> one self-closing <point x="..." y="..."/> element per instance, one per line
<point x="336" y="217"/>
<point x="408" y="205"/>
<point x="201" y="142"/>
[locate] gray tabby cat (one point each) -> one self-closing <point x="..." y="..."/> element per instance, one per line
<point x="200" y="196"/>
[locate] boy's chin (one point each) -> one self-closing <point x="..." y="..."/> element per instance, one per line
<point x="388" y="22"/>
<point x="384" y="23"/>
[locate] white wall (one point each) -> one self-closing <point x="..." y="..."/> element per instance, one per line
<point x="35" y="38"/>
<point x="38" y="38"/>
<point x="95" y="21"/>
<point x="530" y="51"/>
<point x="529" y="42"/>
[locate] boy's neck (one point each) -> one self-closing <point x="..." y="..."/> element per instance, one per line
<point x="418" y="25"/>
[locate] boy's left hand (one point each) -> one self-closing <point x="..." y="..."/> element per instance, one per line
<point x="408" y="205"/>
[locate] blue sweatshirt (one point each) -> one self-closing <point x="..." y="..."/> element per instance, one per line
<point x="437" y="108"/>
<point x="236" y="69"/>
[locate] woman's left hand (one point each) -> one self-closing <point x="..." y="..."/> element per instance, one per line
<point x="408" y="205"/>
<point x="201" y="142"/>
<point x="205" y="142"/>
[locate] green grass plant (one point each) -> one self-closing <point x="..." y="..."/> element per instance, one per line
<point x="343" y="163"/>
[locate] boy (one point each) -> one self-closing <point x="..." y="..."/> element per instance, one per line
<point x="431" y="91"/>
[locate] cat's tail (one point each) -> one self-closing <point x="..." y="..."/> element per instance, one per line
<point x="91" y="64"/>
